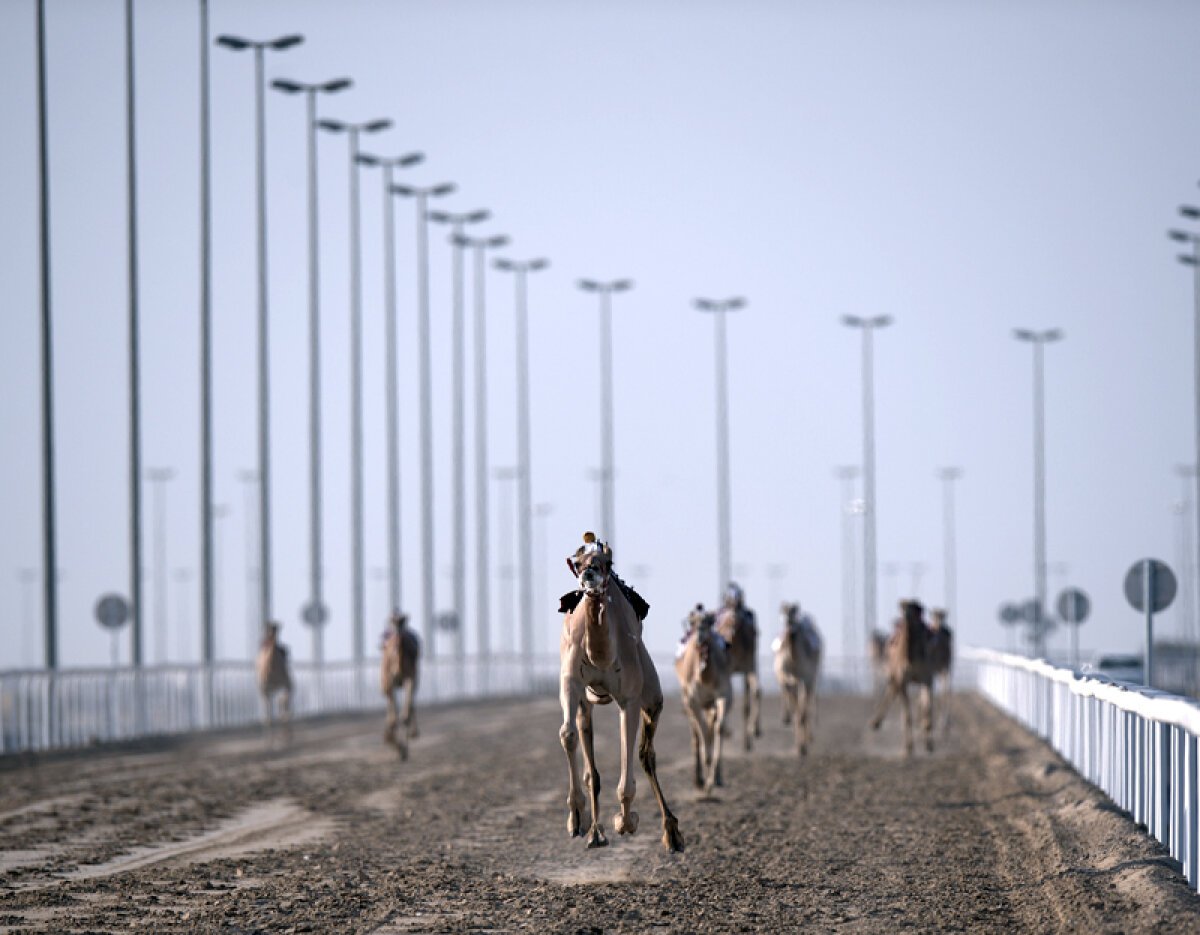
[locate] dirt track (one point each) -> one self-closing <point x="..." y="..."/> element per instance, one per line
<point x="335" y="834"/>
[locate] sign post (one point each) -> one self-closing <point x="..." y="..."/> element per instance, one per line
<point x="1150" y="587"/>
<point x="1073" y="607"/>
<point x="112" y="613"/>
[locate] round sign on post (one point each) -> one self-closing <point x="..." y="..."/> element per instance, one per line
<point x="1073" y="606"/>
<point x="1010" y="613"/>
<point x="112" y="611"/>
<point x="1031" y="611"/>
<point x="1162" y="585"/>
<point x="314" y="613"/>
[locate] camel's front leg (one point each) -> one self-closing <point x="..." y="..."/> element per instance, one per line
<point x="672" y="839"/>
<point x="285" y="713"/>
<point x="697" y="743"/>
<point x="393" y="721"/>
<point x="719" y="711"/>
<point x="802" y="701"/>
<point x="569" y="693"/>
<point x="410" y="708"/>
<point x="626" y="820"/>
<point x="885" y="701"/>
<point x="591" y="776"/>
<point x="908" y="720"/>
<point x="755" y="690"/>
<point x="927" y="714"/>
<point x="785" y="696"/>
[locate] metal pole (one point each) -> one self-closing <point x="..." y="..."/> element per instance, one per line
<point x="950" y="553"/>
<point x="524" y="487"/>
<point x="315" y="525"/>
<point x="357" y="551"/>
<point x="207" y="510"/>
<point x="870" y="603"/>
<point x="1039" y="499"/>
<point x="1193" y="572"/>
<point x="264" y="427"/>
<point x="428" y="571"/>
<point x="135" y="421"/>
<point x="607" y="482"/>
<point x="483" y="634"/>
<point x="253" y="612"/>
<point x="395" y="588"/>
<point x="458" y="439"/>
<point x="847" y="476"/>
<point x="1074" y="625"/>
<point x="1147" y="597"/>
<point x="724" y="561"/>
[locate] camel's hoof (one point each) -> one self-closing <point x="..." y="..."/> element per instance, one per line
<point x="625" y="825"/>
<point x="672" y="839"/>
<point x="876" y="724"/>
<point x="929" y="745"/>
<point x="402" y="748"/>
<point x="746" y="744"/>
<point x="597" y="838"/>
<point x="699" y="782"/>
<point x="575" y="823"/>
<point x="413" y="733"/>
<point x="757" y="730"/>
<point x="787" y="720"/>
<point x="803" y="749"/>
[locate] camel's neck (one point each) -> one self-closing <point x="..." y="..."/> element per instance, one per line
<point x="597" y="636"/>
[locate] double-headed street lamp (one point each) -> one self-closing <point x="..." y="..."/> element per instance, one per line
<point x="458" y="222"/>
<point x="868" y="326"/>
<point x="428" y="569"/>
<point x="310" y="91"/>
<point x="392" y="391"/>
<point x="479" y="247"/>
<point x="1039" y="339"/>
<point x="521" y="270"/>
<point x="281" y="44"/>
<point x="358" y="614"/>
<point x="724" y="560"/>
<point x="607" y="465"/>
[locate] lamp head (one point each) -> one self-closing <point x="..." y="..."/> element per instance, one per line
<point x="333" y="126"/>
<point x="376" y="126"/>
<point x="236" y="43"/>
<point x="287" y="86"/>
<point x="285" y="42"/>
<point x="337" y="84"/>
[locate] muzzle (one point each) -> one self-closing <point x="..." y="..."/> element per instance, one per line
<point x="593" y="582"/>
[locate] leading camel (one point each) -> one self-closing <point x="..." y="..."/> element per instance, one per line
<point x="274" y="676"/>
<point x="399" y="669"/>
<point x="603" y="660"/>
<point x="735" y="623"/>
<point x="908" y="663"/>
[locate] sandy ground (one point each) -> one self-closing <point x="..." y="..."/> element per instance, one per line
<point x="334" y="833"/>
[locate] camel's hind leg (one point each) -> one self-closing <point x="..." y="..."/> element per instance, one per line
<point x="393" y="720"/>
<point x="410" y="708"/>
<point x="890" y="691"/>
<point x="569" y="696"/>
<point x="927" y="714"/>
<point x="697" y="743"/>
<point x="591" y="775"/>
<point x="785" y="698"/>
<point x="672" y="839"/>
<point x="285" y="713"/>
<point x="754" y="690"/>
<point x="906" y="704"/>
<point x="803" y="702"/>
<point x="718" y="721"/>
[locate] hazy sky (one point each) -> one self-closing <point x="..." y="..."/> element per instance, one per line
<point x="965" y="168"/>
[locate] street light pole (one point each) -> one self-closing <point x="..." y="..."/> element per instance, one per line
<point x="249" y="480"/>
<point x="521" y="270"/>
<point x="238" y="44"/>
<point x="357" y="549"/>
<point x="847" y="474"/>
<point x="1039" y="339"/>
<point x="428" y="564"/>
<point x="316" y="597"/>
<point x="479" y="246"/>
<point x="948" y="475"/>
<point x="724" y="546"/>
<point x="868" y="326"/>
<point x="607" y="459"/>
<point x="457" y="222"/>
<point x="159" y="478"/>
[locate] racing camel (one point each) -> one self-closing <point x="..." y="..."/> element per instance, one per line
<point x="274" y="676"/>
<point x="735" y="623"/>
<point x="703" y="669"/>
<point x="398" y="669"/>
<point x="797" y="661"/>
<point x="603" y="660"/>
<point x="941" y="656"/>
<point x="908" y="663"/>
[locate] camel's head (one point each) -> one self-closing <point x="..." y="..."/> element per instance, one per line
<point x="272" y="630"/>
<point x="788" y="614"/>
<point x="591" y="564"/>
<point x="937" y="619"/>
<point x="701" y="622"/>
<point x="398" y="620"/>
<point x="733" y="595"/>
<point x="914" y="612"/>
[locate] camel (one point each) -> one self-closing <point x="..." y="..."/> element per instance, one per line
<point x="702" y="665"/>
<point x="603" y="660"/>
<point x="274" y="676"/>
<point x="398" y="668"/>
<point x="735" y="623"/>
<point x="908" y="664"/>
<point x="797" y="661"/>
<point x="941" y="657"/>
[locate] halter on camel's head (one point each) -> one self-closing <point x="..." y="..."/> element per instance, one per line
<point x="733" y="597"/>
<point x="701" y="622"/>
<point x="591" y="565"/>
<point x="937" y="619"/>
<point x="398" y="620"/>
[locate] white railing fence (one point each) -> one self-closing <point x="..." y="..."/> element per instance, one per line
<point x="1136" y="744"/>
<point x="42" y="710"/>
